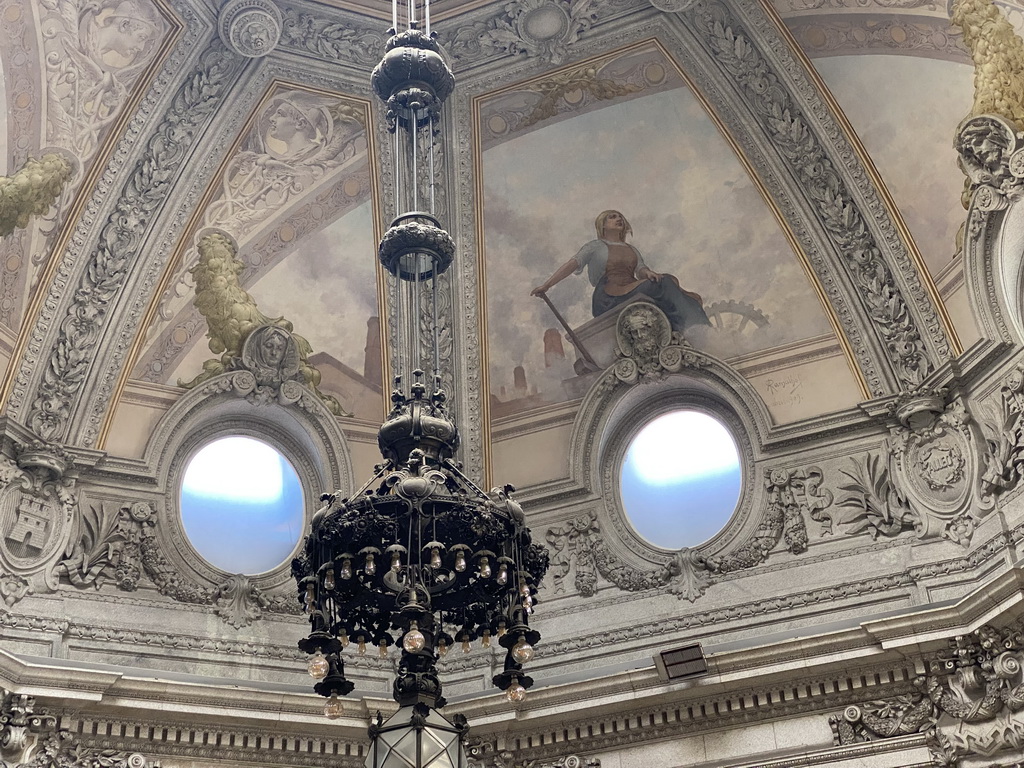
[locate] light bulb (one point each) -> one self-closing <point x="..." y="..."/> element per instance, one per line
<point x="528" y="601"/>
<point x="515" y="693"/>
<point x="396" y="561"/>
<point x="485" y="568"/>
<point x="460" y="562"/>
<point x="524" y="590"/>
<point x="503" y="575"/>
<point x="371" y="565"/>
<point x="333" y="709"/>
<point x="309" y="598"/>
<point x="343" y="638"/>
<point x="329" y="579"/>
<point x="383" y="652"/>
<point x="502" y="628"/>
<point x="318" y="666"/>
<point x="414" y="640"/>
<point x="435" y="558"/>
<point x="346" y="569"/>
<point x="485" y="641"/>
<point x="442" y="647"/>
<point x="362" y="646"/>
<point x="465" y="646"/>
<point x="522" y="651"/>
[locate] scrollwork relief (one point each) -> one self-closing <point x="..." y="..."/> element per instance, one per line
<point x="991" y="155"/>
<point x="969" y="702"/>
<point x="331" y="40"/>
<point x="100" y="284"/>
<point x="543" y="29"/>
<point x="31" y="739"/>
<point x="792" y="496"/>
<point x="838" y="212"/>
<point x="107" y="546"/>
<point x="487" y="754"/>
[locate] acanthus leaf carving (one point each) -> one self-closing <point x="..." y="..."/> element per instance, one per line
<point x="107" y="546"/>
<point x="120" y="240"/>
<point x="239" y="602"/>
<point x="1004" y="457"/>
<point x="836" y="208"/>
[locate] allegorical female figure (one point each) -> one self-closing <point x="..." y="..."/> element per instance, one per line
<point x="618" y="273"/>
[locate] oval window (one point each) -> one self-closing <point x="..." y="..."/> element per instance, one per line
<point x="242" y="505"/>
<point x="681" y="479"/>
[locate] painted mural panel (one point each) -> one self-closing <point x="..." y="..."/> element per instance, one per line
<point x="906" y="111"/>
<point x="612" y="180"/>
<point x="97" y="56"/>
<point x="295" y="204"/>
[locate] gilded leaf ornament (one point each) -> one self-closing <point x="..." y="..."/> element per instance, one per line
<point x="232" y="316"/>
<point x="32" y="190"/>
<point x="998" y="54"/>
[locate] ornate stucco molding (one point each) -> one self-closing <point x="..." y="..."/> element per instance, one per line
<point x="32" y="739"/>
<point x="67" y="362"/>
<point x="968" y="702"/>
<point x="872" y="255"/>
<point x="38" y="507"/>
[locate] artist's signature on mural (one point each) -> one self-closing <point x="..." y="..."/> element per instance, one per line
<point x="784" y="391"/>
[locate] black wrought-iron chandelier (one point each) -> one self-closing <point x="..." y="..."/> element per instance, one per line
<point x="420" y="556"/>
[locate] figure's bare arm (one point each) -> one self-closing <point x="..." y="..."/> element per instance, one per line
<point x="560" y="274"/>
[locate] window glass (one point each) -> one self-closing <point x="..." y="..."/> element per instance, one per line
<point x="681" y="479"/>
<point x="242" y="505"/>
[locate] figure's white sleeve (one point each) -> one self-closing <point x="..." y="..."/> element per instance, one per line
<point x="586" y="254"/>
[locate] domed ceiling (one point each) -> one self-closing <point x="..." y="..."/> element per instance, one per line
<point x="179" y="173"/>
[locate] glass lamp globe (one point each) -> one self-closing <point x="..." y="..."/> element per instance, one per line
<point x="318" y="666"/>
<point x="515" y="693"/>
<point x="522" y="651"/>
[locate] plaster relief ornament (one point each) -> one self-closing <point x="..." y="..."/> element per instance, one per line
<point x="106" y="546"/>
<point x="992" y="158"/>
<point x="543" y="29"/>
<point x="37" y="508"/>
<point x="95" y="52"/>
<point x="1004" y="437"/>
<point x="647" y="347"/>
<point x="275" y="361"/>
<point x="970" y="702"/>
<point x="250" y="28"/>
<point x="793" y="495"/>
<point x="31" y="739"/>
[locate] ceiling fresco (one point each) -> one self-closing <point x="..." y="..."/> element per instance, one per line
<point x="627" y="134"/>
<point x="282" y="165"/>
<point x="295" y="197"/>
<point x="73" y="70"/>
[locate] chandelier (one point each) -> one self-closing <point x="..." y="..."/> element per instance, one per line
<point x="419" y="557"/>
